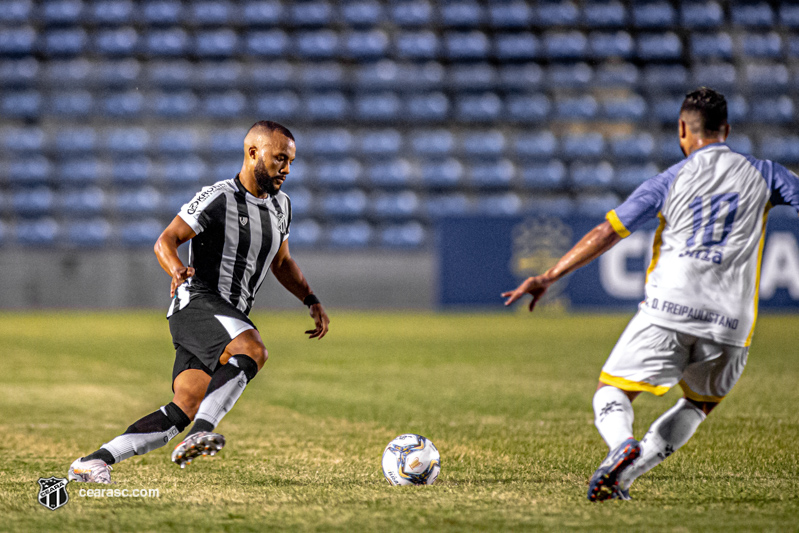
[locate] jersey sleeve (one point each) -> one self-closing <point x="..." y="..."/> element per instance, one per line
<point x="784" y="187"/>
<point x="644" y="203"/>
<point x="197" y="212"/>
<point x="288" y="223"/>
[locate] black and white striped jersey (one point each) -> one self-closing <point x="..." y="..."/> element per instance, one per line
<point x="238" y="235"/>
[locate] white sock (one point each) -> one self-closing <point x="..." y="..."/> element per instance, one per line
<point x="217" y="403"/>
<point x="613" y="415"/>
<point x="665" y="436"/>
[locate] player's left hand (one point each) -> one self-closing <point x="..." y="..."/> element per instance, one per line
<point x="536" y="286"/>
<point x="321" y="320"/>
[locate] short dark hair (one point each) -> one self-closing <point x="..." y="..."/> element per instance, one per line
<point x="268" y="125"/>
<point x="709" y="108"/>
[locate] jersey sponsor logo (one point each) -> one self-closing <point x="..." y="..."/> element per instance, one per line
<point x="204" y="195"/>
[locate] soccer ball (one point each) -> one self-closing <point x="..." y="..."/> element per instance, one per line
<point x="411" y="460"/>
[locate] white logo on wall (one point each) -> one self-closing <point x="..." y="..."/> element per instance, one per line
<point x="779" y="269"/>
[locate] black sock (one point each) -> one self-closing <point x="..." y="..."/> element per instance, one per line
<point x="216" y="403"/>
<point x="102" y="454"/>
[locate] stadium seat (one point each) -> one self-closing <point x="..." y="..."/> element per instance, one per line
<point x="269" y="43"/>
<point x="781" y="148"/>
<point x="137" y="202"/>
<point x="360" y="13"/>
<point x="565" y="45"/>
<point x="378" y="107"/>
<point x="173" y="103"/>
<point x="711" y="45"/>
<point x="659" y="78"/>
<point x="273" y="74"/>
<point x="478" y="108"/>
<point x="412" y="14"/>
<point x="631" y="108"/>
<point x="524" y="77"/>
<point x="317" y="44"/>
<point x="771" y="78"/>
<point x="395" y="205"/>
<point x="74" y="140"/>
<point x="417" y="45"/>
<point x="462" y="14"/>
<point x="740" y="143"/>
<point x="226" y="142"/>
<point x="127" y="140"/>
<point x="350" y="235"/>
<point x="443" y="205"/>
<point x="83" y="202"/>
<point x="366" y="45"/>
<point x="737" y="108"/>
<point x="172" y="42"/>
<point x="39" y="232"/>
<point x="19" y="41"/>
<point x="757" y="15"/>
<point x="596" y="205"/>
<point x="305" y="233"/>
<point x="403" y="76"/>
<point x="64" y="42"/>
<point x="302" y="202"/>
<point x="480" y="144"/>
<point x="337" y="173"/>
<point x="313" y="13"/>
<point x="21" y="104"/>
<point x="574" y="76"/>
<point x="326" y="106"/>
<point x="440" y="174"/>
<point x="131" y="171"/>
<point x="701" y="14"/>
<point x="789" y="15"/>
<point x="667" y="149"/>
<point x="612" y="75"/>
<point x="140" y="233"/>
<point x="666" y="109"/>
<point x="127" y="104"/>
<point x="603" y="14"/>
<point x="659" y="46"/>
<point x="429" y="107"/>
<point x="583" y="146"/>
<point x="557" y="13"/>
<point x="777" y="110"/>
<point x="212" y="13"/>
<point x="283" y="105"/>
<point x="118" y="42"/>
<point x="380" y="143"/>
<point x="513" y="14"/>
<point x="163" y="13"/>
<point x="629" y="177"/>
<point x="394" y="173"/>
<point x="33" y="202"/>
<point x="228" y="104"/>
<point x="438" y="142"/>
<point x="93" y="233"/>
<point x="605" y="45"/>
<point x="556" y="205"/>
<point x="502" y="204"/>
<point x="19" y="72"/>
<point x="591" y="176"/>
<point x="792" y="46"/>
<point x="767" y="45"/>
<point x="112" y="12"/>
<point x="219" y="74"/>
<point x="722" y="76"/>
<point x="577" y="108"/>
<point x="68" y="73"/>
<point x="337" y="142"/>
<point x="118" y="74"/>
<point x="71" y="103"/>
<point x="535" y="145"/>
<point x="262" y="13"/>
<point x="544" y="176"/>
<point x="182" y="171"/>
<point x="58" y="12"/>
<point x="16" y="11"/>
<point x="215" y="43"/>
<point x="29" y="139"/>
<point x="409" y="235"/>
<point x="475" y="76"/>
<point x="516" y="46"/>
<point x="344" y="204"/>
<point x="80" y="172"/>
<point x="529" y="109"/>
<point x="460" y="46"/>
<point x="491" y="174"/>
<point x="637" y="147"/>
<point x="227" y="168"/>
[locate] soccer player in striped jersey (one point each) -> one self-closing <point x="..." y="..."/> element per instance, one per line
<point x="696" y="322"/>
<point x="238" y="231"/>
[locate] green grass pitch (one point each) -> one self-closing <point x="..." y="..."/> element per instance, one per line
<point x="506" y="398"/>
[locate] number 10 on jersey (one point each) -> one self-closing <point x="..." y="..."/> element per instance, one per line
<point x="707" y="227"/>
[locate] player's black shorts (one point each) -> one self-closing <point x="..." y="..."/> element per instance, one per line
<point x="202" y="330"/>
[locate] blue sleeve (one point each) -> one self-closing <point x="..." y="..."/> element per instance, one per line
<point x="644" y="203"/>
<point x="784" y="187"/>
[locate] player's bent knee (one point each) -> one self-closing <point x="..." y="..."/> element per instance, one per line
<point x="706" y="407"/>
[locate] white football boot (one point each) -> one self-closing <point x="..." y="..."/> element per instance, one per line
<point x="196" y="444"/>
<point x="92" y="471"/>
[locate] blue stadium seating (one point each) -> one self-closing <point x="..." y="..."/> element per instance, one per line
<point x="701" y="14"/>
<point x="334" y="142"/>
<point x="163" y="12"/>
<point x="282" y="105"/>
<point x="71" y="103"/>
<point x="116" y="42"/>
<point x="721" y="76"/>
<point x="545" y="176"/>
<point x="513" y="14"/>
<point x="516" y="46"/>
<point x="74" y="140"/>
<point x="362" y="13"/>
<point x="93" y="233"/>
<point x="667" y="148"/>
<point x="350" y="235"/>
<point x="137" y="202"/>
<point x="759" y="15"/>
<point x="523" y="77"/>
<point x="611" y="75"/>
<point x="565" y="45"/>
<point x="487" y="174"/>
<point x="395" y="173"/>
<point x="21" y="104"/>
<point x="378" y="107"/>
<point x="480" y="144"/>
<point x="776" y="110"/>
<point x="602" y="14"/>
<point x="215" y="43"/>
<point x="111" y="12"/>
<point x="305" y="232"/>
<point x="659" y="46"/>
<point x="605" y="45"/>
<point x="461" y="46"/>
<point x="417" y="45"/>
<point x="171" y="42"/>
<point x="529" y="109"/>
<point x="227" y="168"/>
<point x="789" y="15"/>
<point x="56" y="12"/>
<point x="542" y="204"/>
<point x="16" y="11"/>
<point x="740" y="143"/>
<point x="224" y="105"/>
<point x="772" y="78"/>
<point x="666" y="109"/>
<point x="183" y="171"/>
<point x="502" y="204"/>
<point x="632" y="108"/>
<point x="87" y="201"/>
<point x="127" y="140"/>
<point x="559" y="13"/>
<point x="781" y="148"/>
<point x="592" y="175"/>
<point x="262" y="13"/>
<point x="28" y="139"/>
<point x="474" y="76"/>
<point x="19" y="72"/>
<point x="173" y="103"/>
<point x="768" y="45"/>
<point x="326" y="106"/>
<point x="638" y="147"/>
<point x="413" y="13"/>
<point x="409" y="235"/>
<point x="478" y="108"/>
<point x="462" y="14"/>
<point x="395" y="205"/>
<point x="583" y="146"/>
<point x="68" y="73"/>
<point x="116" y="74"/>
<point x="629" y="177"/>
<point x="535" y="145"/>
<point x="371" y="44"/>
<point x="429" y="107"/>
<point x="34" y="202"/>
<point x="269" y="43"/>
<point x="573" y="76"/>
<point x="127" y="104"/>
<point x="442" y="205"/>
<point x="220" y="74"/>
<point x="39" y="232"/>
<point x="737" y="108"/>
<point x="64" y="42"/>
<point x="313" y="13"/>
<point x="439" y="142"/>
<point x="577" y="108"/>
<point x="18" y="41"/>
<point x="380" y="143"/>
<point x="140" y="232"/>
<point x="212" y="13"/>
<point x="302" y="201"/>
<point x="711" y="45"/>
<point x="81" y="172"/>
<point x="339" y="172"/>
<point x="596" y="205"/>
<point x="273" y="74"/>
<point x="344" y="204"/>
<point x="131" y="171"/>
<point x="317" y="44"/>
<point x="439" y="174"/>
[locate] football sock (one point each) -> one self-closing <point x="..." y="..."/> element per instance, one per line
<point x="613" y="415"/>
<point x="225" y="388"/>
<point x="144" y="435"/>
<point x="666" y="435"/>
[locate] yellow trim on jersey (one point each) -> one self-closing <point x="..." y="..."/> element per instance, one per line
<point x="626" y="384"/>
<point x="757" y="277"/>
<point x="656" y="244"/>
<point x="691" y="395"/>
<point x="617" y="224"/>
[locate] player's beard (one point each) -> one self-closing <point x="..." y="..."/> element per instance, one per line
<point x="266" y="183"/>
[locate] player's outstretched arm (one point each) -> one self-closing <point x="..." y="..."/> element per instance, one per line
<point x="596" y="242"/>
<point x="166" y="249"/>
<point x="288" y="273"/>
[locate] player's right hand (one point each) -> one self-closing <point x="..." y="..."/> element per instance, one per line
<point x="535" y="286"/>
<point x="179" y="275"/>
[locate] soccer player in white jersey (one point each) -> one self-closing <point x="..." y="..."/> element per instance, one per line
<point x="238" y="229"/>
<point x="696" y="322"/>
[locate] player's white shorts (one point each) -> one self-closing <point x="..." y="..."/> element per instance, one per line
<point x="652" y="358"/>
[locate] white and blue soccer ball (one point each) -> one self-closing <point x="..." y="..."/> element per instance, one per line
<point x="411" y="459"/>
